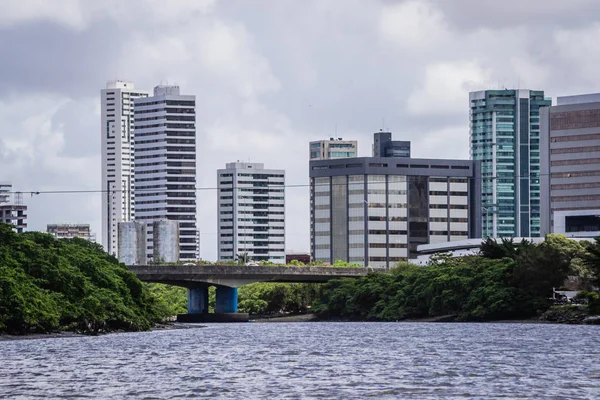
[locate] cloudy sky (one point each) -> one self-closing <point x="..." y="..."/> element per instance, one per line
<point x="269" y="76"/>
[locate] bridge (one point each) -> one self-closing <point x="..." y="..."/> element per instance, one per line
<point x="227" y="278"/>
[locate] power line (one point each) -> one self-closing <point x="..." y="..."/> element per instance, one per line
<point x="290" y="186"/>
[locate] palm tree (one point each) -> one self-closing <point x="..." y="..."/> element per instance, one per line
<point x="243" y="258"/>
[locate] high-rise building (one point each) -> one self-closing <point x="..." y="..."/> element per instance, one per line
<point x="570" y="166"/>
<point x="165" y="165"/>
<point x="505" y="137"/>
<point x="13" y="211"/>
<point x="5" y="191"/>
<point x="117" y="135"/>
<point x="251" y="212"/>
<point x="333" y="148"/>
<point x="69" y="231"/>
<point x="375" y="211"/>
<point x="384" y="146"/>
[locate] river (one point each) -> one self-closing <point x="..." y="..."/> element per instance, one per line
<point x="311" y="360"/>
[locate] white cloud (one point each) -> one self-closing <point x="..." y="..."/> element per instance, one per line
<point x="31" y="158"/>
<point x="446" y="87"/>
<point x="447" y="142"/>
<point x="63" y="12"/>
<point x="580" y="49"/>
<point x="414" y="24"/>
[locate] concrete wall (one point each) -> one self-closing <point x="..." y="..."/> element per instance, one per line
<point x="166" y="241"/>
<point x="132" y="243"/>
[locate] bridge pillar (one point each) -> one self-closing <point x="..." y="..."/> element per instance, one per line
<point x="198" y="300"/>
<point x="227" y="300"/>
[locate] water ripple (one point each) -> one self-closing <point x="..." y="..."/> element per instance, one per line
<point x="311" y="360"/>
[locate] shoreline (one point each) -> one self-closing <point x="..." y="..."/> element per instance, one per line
<point x="279" y="318"/>
<point x="4" y="337"/>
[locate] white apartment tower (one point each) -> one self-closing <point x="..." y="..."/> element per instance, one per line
<point x="251" y="212"/>
<point x="117" y="158"/>
<point x="165" y="165"/>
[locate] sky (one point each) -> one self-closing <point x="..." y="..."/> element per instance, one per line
<point x="269" y="76"/>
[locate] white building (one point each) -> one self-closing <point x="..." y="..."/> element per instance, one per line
<point x="165" y="165"/>
<point x="5" y="191"/>
<point x="333" y="148"/>
<point x="251" y="212"/>
<point x="12" y="209"/>
<point x="116" y="131"/>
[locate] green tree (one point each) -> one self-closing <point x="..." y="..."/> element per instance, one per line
<point x="592" y="260"/>
<point x="48" y="284"/>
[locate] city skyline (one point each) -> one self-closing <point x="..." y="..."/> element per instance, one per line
<point x="258" y="92"/>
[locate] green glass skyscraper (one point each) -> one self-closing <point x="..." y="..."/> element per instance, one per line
<point x="505" y="137"/>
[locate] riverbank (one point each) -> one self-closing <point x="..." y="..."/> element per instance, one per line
<point x="66" y="334"/>
<point x="283" y="318"/>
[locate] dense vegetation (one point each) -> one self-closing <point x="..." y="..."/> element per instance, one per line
<point x="48" y="284"/>
<point x="507" y="281"/>
<point x="272" y="298"/>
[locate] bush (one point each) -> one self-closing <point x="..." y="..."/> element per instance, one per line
<point x="48" y="284"/>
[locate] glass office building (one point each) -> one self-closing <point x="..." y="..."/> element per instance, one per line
<point x="505" y="137"/>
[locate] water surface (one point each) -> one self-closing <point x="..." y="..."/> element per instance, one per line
<point x="312" y="360"/>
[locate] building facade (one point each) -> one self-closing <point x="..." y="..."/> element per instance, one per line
<point x="505" y="137"/>
<point x="376" y="211"/>
<point x="5" y="192"/>
<point x="251" y="215"/>
<point x="13" y="211"/>
<point x="116" y="130"/>
<point x="384" y="146"/>
<point x="570" y="166"/>
<point x="70" y="231"/>
<point x="333" y="148"/>
<point x="132" y="243"/>
<point x="165" y="165"/>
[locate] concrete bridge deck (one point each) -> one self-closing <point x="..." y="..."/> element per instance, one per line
<point x="191" y="276"/>
<point x="227" y="278"/>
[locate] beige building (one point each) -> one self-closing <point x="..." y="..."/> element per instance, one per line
<point x="70" y="231"/>
<point x="333" y="148"/>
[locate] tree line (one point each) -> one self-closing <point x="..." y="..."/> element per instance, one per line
<point x="49" y="284"/>
<point x="506" y="280"/>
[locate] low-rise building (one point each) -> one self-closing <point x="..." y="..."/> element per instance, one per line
<point x="14" y="214"/>
<point x="462" y="248"/>
<point x="12" y="209"/>
<point x="333" y="148"/>
<point x="301" y="256"/>
<point x="69" y="231"/>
